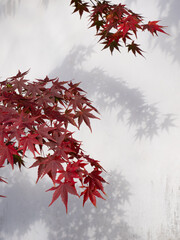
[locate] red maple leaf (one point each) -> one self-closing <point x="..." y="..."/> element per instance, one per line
<point x="93" y="162"/>
<point x="94" y="180"/>
<point x="50" y="165"/>
<point x="29" y="142"/>
<point x="44" y="132"/>
<point x="153" y="27"/>
<point x="83" y="115"/>
<point x="91" y="194"/>
<point x="62" y="190"/>
<point x="19" y="75"/>
<point x="41" y="166"/>
<point x="6" y="153"/>
<point x="73" y="170"/>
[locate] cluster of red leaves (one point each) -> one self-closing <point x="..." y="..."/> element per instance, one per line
<point x="115" y="23"/>
<point x="36" y="115"/>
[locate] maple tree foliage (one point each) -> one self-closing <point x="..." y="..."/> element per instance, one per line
<point x="37" y="115"/>
<point x="115" y="24"/>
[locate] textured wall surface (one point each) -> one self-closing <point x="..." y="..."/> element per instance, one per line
<point x="137" y="139"/>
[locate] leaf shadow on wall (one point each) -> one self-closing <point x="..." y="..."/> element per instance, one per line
<point x="170" y="44"/>
<point x="8" y="7"/>
<point x="112" y="93"/>
<point x="23" y="205"/>
<point x="104" y="222"/>
<point x="26" y="204"/>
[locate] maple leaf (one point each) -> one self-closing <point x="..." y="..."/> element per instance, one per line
<point x="153" y="27"/>
<point x="43" y="132"/>
<point x="91" y="194"/>
<point x="69" y="118"/>
<point x="19" y="84"/>
<point x="19" y="75"/>
<point x="93" y="162"/>
<point x="129" y="23"/>
<point x="44" y="81"/>
<point x="41" y="166"/>
<point x="97" y="23"/>
<point x="6" y="153"/>
<point x="34" y="90"/>
<point x="78" y="101"/>
<point x="84" y="115"/>
<point x="3" y="133"/>
<point x="73" y="170"/>
<point x="100" y="8"/>
<point x="22" y="121"/>
<point x="59" y="138"/>
<point x="51" y="165"/>
<point x="134" y="48"/>
<point x="62" y="190"/>
<point x="29" y="142"/>
<point x="111" y="44"/>
<point x="54" y="114"/>
<point x="94" y="180"/>
<point x="80" y="6"/>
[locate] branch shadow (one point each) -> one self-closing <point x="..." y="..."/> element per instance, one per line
<point x="26" y="204"/>
<point x="171" y="18"/>
<point x="114" y="94"/>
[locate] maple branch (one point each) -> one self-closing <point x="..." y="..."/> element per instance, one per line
<point x="116" y="24"/>
<point x="34" y="116"/>
<point x="93" y="3"/>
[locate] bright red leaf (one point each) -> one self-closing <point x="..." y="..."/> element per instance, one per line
<point x="153" y="27"/>
<point x="62" y="190"/>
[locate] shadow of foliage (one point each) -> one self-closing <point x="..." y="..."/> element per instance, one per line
<point x="26" y="204"/>
<point x="23" y="205"/>
<point x="8" y="7"/>
<point x="112" y="93"/>
<point x="107" y="221"/>
<point x="172" y="21"/>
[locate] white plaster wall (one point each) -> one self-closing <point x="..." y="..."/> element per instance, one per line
<point x="137" y="139"/>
